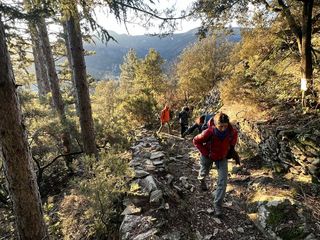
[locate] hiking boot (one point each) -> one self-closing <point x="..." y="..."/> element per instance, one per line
<point x="203" y="185"/>
<point x="218" y="211"/>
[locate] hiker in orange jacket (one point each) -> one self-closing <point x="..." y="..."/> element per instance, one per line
<point x="165" y="118"/>
<point x="216" y="144"/>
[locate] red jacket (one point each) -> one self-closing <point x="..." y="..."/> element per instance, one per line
<point x="165" y="115"/>
<point x="209" y="145"/>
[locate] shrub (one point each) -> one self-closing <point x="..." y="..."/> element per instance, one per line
<point x="104" y="189"/>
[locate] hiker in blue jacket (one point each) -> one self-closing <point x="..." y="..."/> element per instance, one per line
<point x="200" y="124"/>
<point x="206" y="121"/>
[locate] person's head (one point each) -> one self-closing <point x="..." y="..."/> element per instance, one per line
<point x="186" y="109"/>
<point x="221" y="121"/>
<point x="202" y="118"/>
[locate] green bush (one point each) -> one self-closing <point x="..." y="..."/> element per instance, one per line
<point x="141" y="108"/>
<point x="104" y="189"/>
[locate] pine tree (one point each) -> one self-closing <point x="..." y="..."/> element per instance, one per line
<point x="75" y="44"/>
<point x="150" y="74"/>
<point x="128" y="71"/>
<point x="16" y="154"/>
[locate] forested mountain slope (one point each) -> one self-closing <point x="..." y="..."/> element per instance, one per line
<point x="108" y="57"/>
<point x="85" y="159"/>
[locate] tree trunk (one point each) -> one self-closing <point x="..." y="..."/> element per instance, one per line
<point x="39" y="62"/>
<point x="65" y="36"/>
<point x="80" y="78"/>
<point x="16" y="155"/>
<point x="303" y="36"/>
<point x="294" y="26"/>
<point x="306" y="51"/>
<point x="55" y="88"/>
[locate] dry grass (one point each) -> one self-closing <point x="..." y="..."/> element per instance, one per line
<point x="244" y="111"/>
<point x="74" y="222"/>
<point x="242" y="103"/>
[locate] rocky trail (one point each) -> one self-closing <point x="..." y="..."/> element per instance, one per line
<point x="169" y="204"/>
<point x="193" y="215"/>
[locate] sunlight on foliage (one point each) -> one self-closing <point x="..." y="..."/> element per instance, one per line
<point x="134" y="187"/>
<point x="104" y="188"/>
<point x="202" y="66"/>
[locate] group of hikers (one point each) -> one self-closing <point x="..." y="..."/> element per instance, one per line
<point x="216" y="140"/>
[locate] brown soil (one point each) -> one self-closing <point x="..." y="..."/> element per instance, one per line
<point x="190" y="212"/>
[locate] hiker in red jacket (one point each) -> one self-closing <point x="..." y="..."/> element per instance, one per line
<point x="216" y="144"/>
<point x="165" y="118"/>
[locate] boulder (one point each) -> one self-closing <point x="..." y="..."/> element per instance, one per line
<point x="281" y="218"/>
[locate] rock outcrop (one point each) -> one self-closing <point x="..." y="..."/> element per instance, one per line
<point x="286" y="147"/>
<point x="149" y="163"/>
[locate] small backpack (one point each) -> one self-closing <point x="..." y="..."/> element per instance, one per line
<point x="206" y="120"/>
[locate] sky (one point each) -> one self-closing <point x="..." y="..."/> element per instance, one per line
<point x="110" y="23"/>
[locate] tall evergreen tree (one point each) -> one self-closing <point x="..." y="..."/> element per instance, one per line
<point x="55" y="87"/>
<point x="16" y="154"/>
<point x="75" y="44"/>
<point x="39" y="62"/>
<point x="128" y="71"/>
<point x="150" y="73"/>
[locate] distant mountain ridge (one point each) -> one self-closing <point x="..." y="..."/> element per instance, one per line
<point x="108" y="58"/>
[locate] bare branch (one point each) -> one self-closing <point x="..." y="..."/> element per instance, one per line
<point x="59" y="156"/>
<point x="296" y="29"/>
<point x="269" y="7"/>
<point x="149" y="12"/>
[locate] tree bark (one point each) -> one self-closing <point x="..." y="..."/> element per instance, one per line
<point x="80" y="79"/>
<point x="55" y="88"/>
<point x="306" y="51"/>
<point x="65" y="36"/>
<point x="303" y="36"/>
<point x="39" y="63"/>
<point x="295" y="28"/>
<point x="39" y="60"/>
<point x="17" y="158"/>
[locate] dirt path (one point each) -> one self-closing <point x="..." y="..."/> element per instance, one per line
<point x="190" y="213"/>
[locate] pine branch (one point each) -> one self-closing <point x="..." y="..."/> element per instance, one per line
<point x="151" y="12"/>
<point x="16" y="13"/>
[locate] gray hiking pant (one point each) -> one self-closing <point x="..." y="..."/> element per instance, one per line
<point x="222" y="168"/>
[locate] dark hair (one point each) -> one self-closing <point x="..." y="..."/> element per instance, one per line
<point x="221" y="118"/>
<point x="186" y="109"/>
<point x="202" y="118"/>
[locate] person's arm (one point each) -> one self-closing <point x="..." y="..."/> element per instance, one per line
<point x="204" y="126"/>
<point x="191" y="129"/>
<point x="199" y="141"/>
